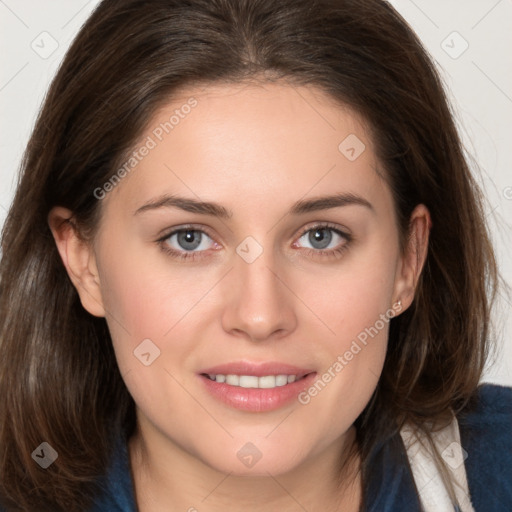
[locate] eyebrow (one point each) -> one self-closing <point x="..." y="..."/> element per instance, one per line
<point x="216" y="210"/>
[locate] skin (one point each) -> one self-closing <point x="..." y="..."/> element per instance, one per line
<point x="256" y="150"/>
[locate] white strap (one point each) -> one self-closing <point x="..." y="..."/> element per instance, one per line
<point x="433" y="494"/>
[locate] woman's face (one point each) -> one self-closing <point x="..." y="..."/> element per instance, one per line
<point x="288" y="267"/>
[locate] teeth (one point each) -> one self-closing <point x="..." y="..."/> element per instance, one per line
<point x="281" y="380"/>
<point x="248" y="381"/>
<point x="251" y="381"/>
<point x="232" y="380"/>
<point x="267" y="382"/>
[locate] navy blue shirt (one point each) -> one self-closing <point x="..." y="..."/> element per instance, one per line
<point x="486" y="435"/>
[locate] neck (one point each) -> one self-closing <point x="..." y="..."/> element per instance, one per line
<point x="169" y="478"/>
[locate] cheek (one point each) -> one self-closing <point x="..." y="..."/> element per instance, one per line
<point x="138" y="302"/>
<point x="144" y="304"/>
<point x="355" y="303"/>
<point x="148" y="297"/>
<point x="351" y="297"/>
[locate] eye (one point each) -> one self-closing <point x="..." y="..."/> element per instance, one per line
<point x="186" y="242"/>
<point x="191" y="243"/>
<point x="324" y="239"/>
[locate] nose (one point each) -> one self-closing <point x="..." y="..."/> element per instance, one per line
<point x="258" y="306"/>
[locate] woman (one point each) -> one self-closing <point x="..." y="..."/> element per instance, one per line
<point x="247" y="267"/>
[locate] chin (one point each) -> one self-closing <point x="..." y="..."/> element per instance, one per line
<point x="247" y="460"/>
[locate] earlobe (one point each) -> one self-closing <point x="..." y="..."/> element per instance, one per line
<point x="78" y="259"/>
<point x="413" y="260"/>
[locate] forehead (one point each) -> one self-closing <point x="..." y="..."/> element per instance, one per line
<point x="267" y="141"/>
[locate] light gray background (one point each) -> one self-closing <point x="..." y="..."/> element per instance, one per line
<point x="35" y="34"/>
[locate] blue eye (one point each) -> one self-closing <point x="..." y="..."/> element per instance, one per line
<point x="190" y="243"/>
<point x="325" y="241"/>
<point x="188" y="240"/>
<point x="321" y="237"/>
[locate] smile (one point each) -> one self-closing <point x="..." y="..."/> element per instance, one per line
<point x="253" y="381"/>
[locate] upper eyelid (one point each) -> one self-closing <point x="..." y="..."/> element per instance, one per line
<point x="319" y="225"/>
<point x="186" y="227"/>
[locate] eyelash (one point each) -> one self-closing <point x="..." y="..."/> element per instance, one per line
<point x="194" y="255"/>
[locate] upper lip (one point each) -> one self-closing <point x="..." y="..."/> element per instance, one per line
<point x="256" y="369"/>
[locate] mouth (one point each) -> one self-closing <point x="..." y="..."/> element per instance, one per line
<point x="256" y="387"/>
<point x="255" y="382"/>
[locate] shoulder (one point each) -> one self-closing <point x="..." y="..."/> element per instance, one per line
<point x="117" y="493"/>
<point x="491" y="404"/>
<point x="486" y="437"/>
<point x="488" y="418"/>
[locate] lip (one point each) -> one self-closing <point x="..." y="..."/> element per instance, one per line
<point x="256" y="369"/>
<point x="256" y="399"/>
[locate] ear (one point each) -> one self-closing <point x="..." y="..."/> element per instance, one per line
<point x="414" y="256"/>
<point x="78" y="258"/>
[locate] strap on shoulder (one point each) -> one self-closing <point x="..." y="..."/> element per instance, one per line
<point x="433" y="493"/>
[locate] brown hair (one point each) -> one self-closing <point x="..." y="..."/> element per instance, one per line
<point x="58" y="374"/>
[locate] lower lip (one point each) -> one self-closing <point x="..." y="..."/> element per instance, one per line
<point x="256" y="399"/>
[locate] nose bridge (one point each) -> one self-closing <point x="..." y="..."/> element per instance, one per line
<point x="259" y="305"/>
